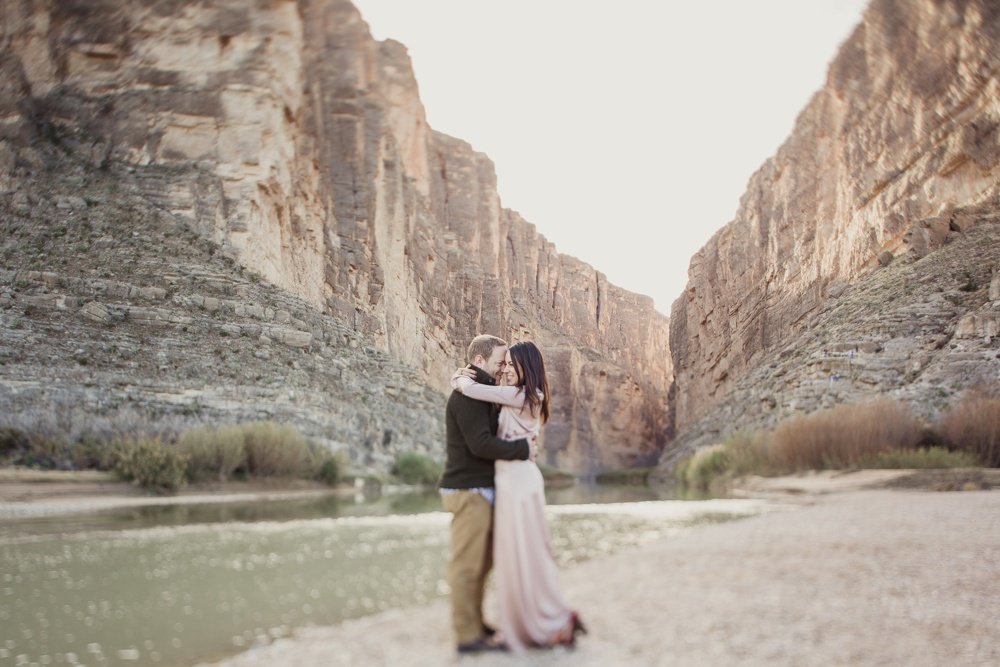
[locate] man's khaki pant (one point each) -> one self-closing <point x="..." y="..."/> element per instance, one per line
<point x="471" y="560"/>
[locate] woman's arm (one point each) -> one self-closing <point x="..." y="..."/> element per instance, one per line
<point x="512" y="396"/>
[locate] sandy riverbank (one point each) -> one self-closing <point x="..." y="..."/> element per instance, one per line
<point x="846" y="578"/>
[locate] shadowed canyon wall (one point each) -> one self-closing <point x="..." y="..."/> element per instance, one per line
<point x="283" y="132"/>
<point x="895" y="158"/>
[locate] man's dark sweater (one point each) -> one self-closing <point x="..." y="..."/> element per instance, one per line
<point x="470" y="429"/>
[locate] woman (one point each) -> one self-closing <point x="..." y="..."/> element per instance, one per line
<point x="533" y="610"/>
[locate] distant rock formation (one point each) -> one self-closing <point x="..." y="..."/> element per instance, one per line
<point x="896" y="157"/>
<point x="283" y="132"/>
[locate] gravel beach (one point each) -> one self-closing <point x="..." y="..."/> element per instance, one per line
<point x="866" y="577"/>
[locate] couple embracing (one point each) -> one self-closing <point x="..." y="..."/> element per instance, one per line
<point x="496" y="495"/>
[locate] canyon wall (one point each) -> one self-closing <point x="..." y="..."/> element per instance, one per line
<point x="895" y="157"/>
<point x="283" y="132"/>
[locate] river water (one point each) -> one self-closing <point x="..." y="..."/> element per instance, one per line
<point x="176" y="585"/>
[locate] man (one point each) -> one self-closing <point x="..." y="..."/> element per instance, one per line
<point x="467" y="492"/>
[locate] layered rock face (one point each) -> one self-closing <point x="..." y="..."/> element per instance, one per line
<point x="897" y="156"/>
<point x="283" y="132"/>
<point x="115" y="318"/>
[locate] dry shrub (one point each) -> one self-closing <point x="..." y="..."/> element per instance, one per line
<point x="62" y="434"/>
<point x="213" y="452"/>
<point x="150" y="463"/>
<point x="973" y="425"/>
<point x="844" y="436"/>
<point x="276" y="450"/>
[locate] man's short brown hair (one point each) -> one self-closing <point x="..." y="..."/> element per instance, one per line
<point x="483" y="344"/>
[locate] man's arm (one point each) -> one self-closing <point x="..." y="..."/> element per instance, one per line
<point x="474" y="425"/>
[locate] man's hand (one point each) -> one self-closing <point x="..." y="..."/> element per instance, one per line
<point x="533" y="448"/>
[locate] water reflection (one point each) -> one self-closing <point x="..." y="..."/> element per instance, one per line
<point x="175" y="585"/>
<point x="603" y="493"/>
<point x="314" y="507"/>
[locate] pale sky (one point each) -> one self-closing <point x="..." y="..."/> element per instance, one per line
<point x="625" y="131"/>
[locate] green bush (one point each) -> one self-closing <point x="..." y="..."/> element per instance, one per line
<point x="276" y="450"/>
<point x="930" y="457"/>
<point x="150" y="463"/>
<point x="707" y="464"/>
<point x="328" y="471"/>
<point x="748" y="454"/>
<point x="213" y="452"/>
<point x="414" y="468"/>
<point x="634" y="476"/>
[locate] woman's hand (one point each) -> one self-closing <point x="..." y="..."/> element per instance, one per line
<point x="463" y="376"/>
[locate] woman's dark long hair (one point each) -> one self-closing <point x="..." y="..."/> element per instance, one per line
<point x="530" y="369"/>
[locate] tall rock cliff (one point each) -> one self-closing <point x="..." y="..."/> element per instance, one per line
<point x="897" y="156"/>
<point x="280" y="130"/>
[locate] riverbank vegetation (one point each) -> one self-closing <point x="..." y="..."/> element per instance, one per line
<point x="974" y="426"/>
<point x="164" y="461"/>
<point x="638" y="476"/>
<point x="253" y="450"/>
<point x="415" y="468"/>
<point x="880" y="434"/>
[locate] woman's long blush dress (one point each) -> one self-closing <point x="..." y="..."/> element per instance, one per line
<point x="532" y="607"/>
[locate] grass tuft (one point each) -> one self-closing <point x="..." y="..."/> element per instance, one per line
<point x="707" y="464"/>
<point x="923" y="458"/>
